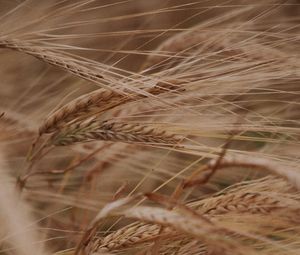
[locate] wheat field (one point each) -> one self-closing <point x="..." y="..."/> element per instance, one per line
<point x="150" y="127"/>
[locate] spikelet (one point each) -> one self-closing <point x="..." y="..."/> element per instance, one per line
<point x="247" y="202"/>
<point x="131" y="235"/>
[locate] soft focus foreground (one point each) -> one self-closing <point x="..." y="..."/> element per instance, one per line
<point x="149" y="127"/>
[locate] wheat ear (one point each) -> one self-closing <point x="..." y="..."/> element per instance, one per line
<point x="54" y="58"/>
<point x="97" y="102"/>
<point x="237" y="203"/>
<point x="187" y="223"/>
<point x="93" y="129"/>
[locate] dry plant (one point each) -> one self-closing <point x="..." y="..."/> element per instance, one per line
<point x="150" y="127"/>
